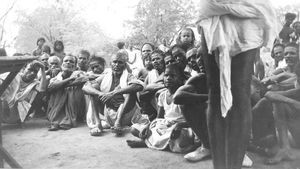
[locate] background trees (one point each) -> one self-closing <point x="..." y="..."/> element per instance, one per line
<point x="160" y="19"/>
<point x="59" y="21"/>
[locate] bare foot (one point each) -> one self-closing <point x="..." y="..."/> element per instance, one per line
<point x="136" y="143"/>
<point x="282" y="155"/>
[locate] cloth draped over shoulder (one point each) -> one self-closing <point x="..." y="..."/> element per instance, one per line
<point x="20" y="94"/>
<point x="110" y="114"/>
<point x="231" y="27"/>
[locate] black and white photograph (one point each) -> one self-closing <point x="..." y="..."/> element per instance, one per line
<point x="150" y="84"/>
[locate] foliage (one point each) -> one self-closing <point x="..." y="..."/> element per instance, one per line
<point x="59" y="21"/>
<point x="156" y="20"/>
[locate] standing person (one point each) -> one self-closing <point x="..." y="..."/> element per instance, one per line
<point x="58" y="48"/>
<point x="40" y="43"/>
<point x="286" y="31"/>
<point x="232" y="32"/>
<point x="83" y="59"/>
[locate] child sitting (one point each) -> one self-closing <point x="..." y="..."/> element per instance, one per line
<point x="168" y="130"/>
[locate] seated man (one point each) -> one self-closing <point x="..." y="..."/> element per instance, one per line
<point x="97" y="65"/>
<point x="66" y="96"/>
<point x="146" y="50"/>
<point x="116" y="92"/>
<point x="19" y="95"/>
<point x="287" y="119"/>
<point x="192" y="66"/>
<point x="83" y="59"/>
<point x="153" y="83"/>
<point x="284" y="78"/>
<point x="54" y="63"/>
<point x="193" y="96"/>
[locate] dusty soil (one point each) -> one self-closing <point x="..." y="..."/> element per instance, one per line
<point x="33" y="146"/>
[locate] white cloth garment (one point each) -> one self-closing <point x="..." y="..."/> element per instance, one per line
<point x="232" y="27"/>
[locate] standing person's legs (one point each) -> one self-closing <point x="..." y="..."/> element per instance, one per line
<point x="238" y="120"/>
<point x="216" y="123"/>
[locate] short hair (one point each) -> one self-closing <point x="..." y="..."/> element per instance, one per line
<point x="294" y="24"/>
<point x="98" y="59"/>
<point x="278" y="44"/>
<point x="3" y="52"/>
<point x="75" y="58"/>
<point x="290" y="16"/>
<point x="148" y="43"/>
<point x="120" y="45"/>
<point x="54" y="58"/>
<point x="46" y="49"/>
<point x="57" y="42"/>
<point x="188" y="29"/>
<point x="40" y="39"/>
<point x="180" y="46"/>
<point x="157" y="51"/>
<point x="292" y="44"/>
<point x="85" y="52"/>
<point x="176" y="66"/>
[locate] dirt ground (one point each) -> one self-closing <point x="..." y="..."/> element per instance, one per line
<point x="33" y="146"/>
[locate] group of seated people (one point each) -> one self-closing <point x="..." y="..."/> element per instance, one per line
<point x="164" y="103"/>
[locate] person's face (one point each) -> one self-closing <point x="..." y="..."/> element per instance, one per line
<point x="68" y="63"/>
<point x="157" y="61"/>
<point x="59" y="46"/>
<point x="44" y="60"/>
<point x="186" y="37"/>
<point x="41" y="43"/>
<point x="147" y="63"/>
<point x="192" y="61"/>
<point x="297" y="27"/>
<point x="29" y="74"/>
<point x="96" y="67"/>
<point x="289" y="21"/>
<point x="290" y="55"/>
<point x="82" y="60"/>
<point x="118" y="65"/>
<point x="171" y="78"/>
<point x="179" y="55"/>
<point x="278" y="53"/>
<point x="53" y="64"/>
<point x="169" y="60"/>
<point x="146" y="50"/>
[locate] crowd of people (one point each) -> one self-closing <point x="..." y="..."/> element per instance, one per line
<point x="164" y="100"/>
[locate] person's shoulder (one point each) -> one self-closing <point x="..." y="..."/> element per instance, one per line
<point x="200" y="77"/>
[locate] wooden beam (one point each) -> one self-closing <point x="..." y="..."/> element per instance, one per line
<point x="10" y="161"/>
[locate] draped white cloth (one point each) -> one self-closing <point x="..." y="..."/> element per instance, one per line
<point x="232" y="27"/>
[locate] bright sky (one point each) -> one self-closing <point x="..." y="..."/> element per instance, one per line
<point x="110" y="14"/>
